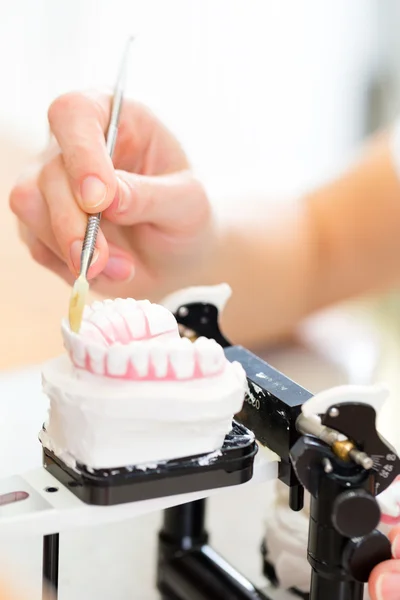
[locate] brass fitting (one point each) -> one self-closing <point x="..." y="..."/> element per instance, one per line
<point x="342" y="449"/>
<point x="187" y="333"/>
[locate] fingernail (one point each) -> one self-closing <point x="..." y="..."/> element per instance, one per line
<point x="76" y="250"/>
<point x="388" y="586"/>
<point x="119" y="268"/>
<point x="93" y="192"/>
<point x="396" y="547"/>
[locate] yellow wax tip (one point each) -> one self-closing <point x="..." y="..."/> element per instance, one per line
<point x="77" y="303"/>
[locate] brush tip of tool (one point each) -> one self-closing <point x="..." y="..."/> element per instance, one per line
<point x="77" y="303"/>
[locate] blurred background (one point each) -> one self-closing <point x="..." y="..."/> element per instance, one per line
<point x="268" y="97"/>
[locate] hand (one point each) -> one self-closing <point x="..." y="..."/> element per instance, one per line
<point x="9" y="592"/>
<point x="384" y="583"/>
<point x="156" y="223"/>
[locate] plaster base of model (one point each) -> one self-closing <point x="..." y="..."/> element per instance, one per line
<point x="108" y="423"/>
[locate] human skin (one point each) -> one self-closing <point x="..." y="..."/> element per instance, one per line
<point x="384" y="583"/>
<point x="159" y="234"/>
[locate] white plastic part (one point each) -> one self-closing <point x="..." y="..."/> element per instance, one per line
<point x="217" y="295"/>
<point x="44" y="513"/>
<point x="389" y="503"/>
<point x="373" y="395"/>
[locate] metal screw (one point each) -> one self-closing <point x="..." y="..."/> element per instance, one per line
<point x="328" y="468"/>
<point x="361" y="458"/>
<point x="183" y="311"/>
<point x="334" y="412"/>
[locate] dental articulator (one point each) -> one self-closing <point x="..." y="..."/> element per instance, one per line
<point x="259" y="426"/>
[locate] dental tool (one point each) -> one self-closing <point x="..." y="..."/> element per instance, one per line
<point x="81" y="286"/>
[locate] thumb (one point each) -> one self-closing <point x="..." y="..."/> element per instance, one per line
<point x="384" y="582"/>
<point x="176" y="202"/>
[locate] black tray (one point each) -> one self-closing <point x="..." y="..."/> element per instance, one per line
<point x="232" y="465"/>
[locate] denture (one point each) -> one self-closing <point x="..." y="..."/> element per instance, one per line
<point x="130" y="390"/>
<point x="126" y="339"/>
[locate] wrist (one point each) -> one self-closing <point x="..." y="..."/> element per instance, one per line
<point x="268" y="263"/>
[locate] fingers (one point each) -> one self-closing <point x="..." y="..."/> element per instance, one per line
<point x="120" y="265"/>
<point x="175" y="202"/>
<point x="46" y="207"/>
<point x="68" y="221"/>
<point x="27" y="203"/>
<point x="45" y="257"/>
<point x="394" y="537"/>
<point x="79" y="122"/>
<point x="384" y="583"/>
<point x="12" y="592"/>
<point x="53" y="226"/>
<point x="77" y="176"/>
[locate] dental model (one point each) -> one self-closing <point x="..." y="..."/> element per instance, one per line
<point x="131" y="391"/>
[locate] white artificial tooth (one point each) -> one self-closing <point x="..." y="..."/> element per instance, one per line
<point x="131" y="302"/>
<point x="87" y="311"/>
<point x="182" y="358"/>
<point x="139" y="356"/>
<point x="159" y="359"/>
<point x="97" y="358"/>
<point x="66" y="334"/>
<point x="92" y="333"/>
<point x="136" y="322"/>
<point x="120" y="302"/>
<point x="169" y="335"/>
<point x="143" y="304"/>
<point x="126" y="322"/>
<point x="116" y="320"/>
<point x="97" y="305"/>
<point x="100" y="320"/>
<point x="78" y="350"/>
<point x="210" y="355"/>
<point x="117" y="359"/>
<point x="108" y="302"/>
<point x="160" y="320"/>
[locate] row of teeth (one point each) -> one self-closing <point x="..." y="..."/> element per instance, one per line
<point x="125" y="320"/>
<point x="179" y="358"/>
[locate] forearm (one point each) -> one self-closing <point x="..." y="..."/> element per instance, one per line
<point x="343" y="241"/>
<point x="357" y="224"/>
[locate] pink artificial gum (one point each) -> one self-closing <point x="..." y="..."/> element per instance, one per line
<point x="124" y="336"/>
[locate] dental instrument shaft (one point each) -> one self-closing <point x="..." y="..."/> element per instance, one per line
<point x="81" y="286"/>
<point x="92" y="228"/>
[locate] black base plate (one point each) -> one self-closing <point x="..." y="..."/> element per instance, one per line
<point x="233" y="465"/>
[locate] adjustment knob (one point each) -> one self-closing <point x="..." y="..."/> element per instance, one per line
<point x="362" y="555"/>
<point x="355" y="513"/>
